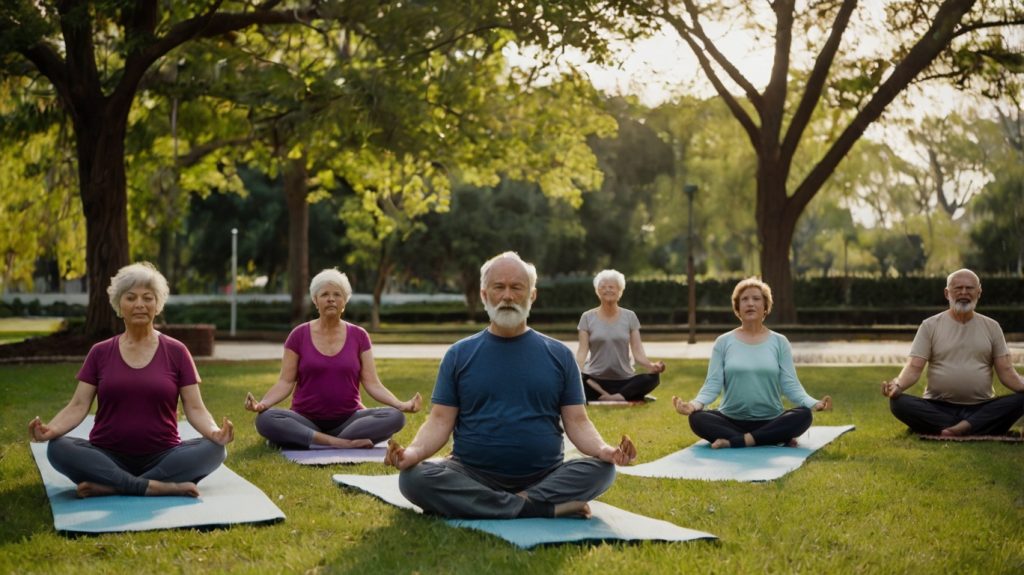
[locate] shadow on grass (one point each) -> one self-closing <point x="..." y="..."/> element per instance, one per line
<point x="252" y="451"/>
<point x="411" y="542"/>
<point x="26" y="512"/>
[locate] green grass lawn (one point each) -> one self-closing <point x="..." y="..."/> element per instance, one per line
<point x="874" y="501"/>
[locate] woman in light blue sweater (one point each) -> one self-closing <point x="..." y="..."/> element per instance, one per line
<point x="752" y="368"/>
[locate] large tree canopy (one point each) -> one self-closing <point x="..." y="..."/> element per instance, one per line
<point x="97" y="56"/>
<point x="817" y="43"/>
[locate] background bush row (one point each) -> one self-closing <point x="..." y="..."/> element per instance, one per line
<point x="832" y="292"/>
<point x="820" y="301"/>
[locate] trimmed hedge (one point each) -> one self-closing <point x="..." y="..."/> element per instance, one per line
<point x="821" y="301"/>
<point x="884" y="293"/>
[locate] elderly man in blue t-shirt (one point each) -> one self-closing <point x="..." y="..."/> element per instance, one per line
<point x="506" y="392"/>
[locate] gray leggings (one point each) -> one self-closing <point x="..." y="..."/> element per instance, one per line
<point x="452" y="489"/>
<point x="286" y="428"/>
<point x="81" y="461"/>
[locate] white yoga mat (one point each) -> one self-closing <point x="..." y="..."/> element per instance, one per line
<point x="607" y="523"/>
<point x="226" y="498"/>
<point x="762" y="463"/>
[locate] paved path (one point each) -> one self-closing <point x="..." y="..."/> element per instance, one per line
<point x="807" y="353"/>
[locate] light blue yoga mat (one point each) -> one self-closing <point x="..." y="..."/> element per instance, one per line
<point x="226" y="498"/>
<point x="762" y="463"/>
<point x="607" y="523"/>
<point x="323" y="455"/>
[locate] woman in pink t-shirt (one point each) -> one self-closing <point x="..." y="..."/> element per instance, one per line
<point x="137" y="377"/>
<point x="324" y="363"/>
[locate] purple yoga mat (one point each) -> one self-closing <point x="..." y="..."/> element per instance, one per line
<point x="323" y="455"/>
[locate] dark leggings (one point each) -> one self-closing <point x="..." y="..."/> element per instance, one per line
<point x="632" y="389"/>
<point x="931" y="416"/>
<point x="81" y="461"/>
<point x="713" y="425"/>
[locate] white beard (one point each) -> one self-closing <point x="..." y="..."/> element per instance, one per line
<point x="959" y="307"/>
<point x="508" y="315"/>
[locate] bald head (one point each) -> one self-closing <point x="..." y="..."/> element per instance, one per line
<point x="965" y="273"/>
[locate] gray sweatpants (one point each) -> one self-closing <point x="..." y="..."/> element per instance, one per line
<point x="453" y="489"/>
<point x="286" y="428"/>
<point x="81" y="461"/>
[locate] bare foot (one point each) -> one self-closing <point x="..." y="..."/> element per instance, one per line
<point x="161" y="488"/>
<point x="720" y="443"/>
<point x="578" y="509"/>
<point x="962" y="428"/>
<point x="613" y="397"/>
<point x="791" y="443"/>
<point x="90" y="489"/>
<point x="351" y="443"/>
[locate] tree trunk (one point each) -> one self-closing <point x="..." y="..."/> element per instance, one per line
<point x="165" y="256"/>
<point x="775" y="270"/>
<point x="471" y="291"/>
<point x="296" y="192"/>
<point x="776" y="224"/>
<point x="384" y="268"/>
<point x="100" y="132"/>
<point x="378" y="290"/>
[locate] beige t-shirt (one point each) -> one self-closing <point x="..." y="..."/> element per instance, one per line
<point x="960" y="357"/>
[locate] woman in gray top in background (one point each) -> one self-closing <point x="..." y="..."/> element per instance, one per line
<point x="607" y="334"/>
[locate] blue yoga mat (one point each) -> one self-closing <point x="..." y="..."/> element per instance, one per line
<point x="226" y="498"/>
<point x="762" y="463"/>
<point x="323" y="455"/>
<point x="607" y="523"/>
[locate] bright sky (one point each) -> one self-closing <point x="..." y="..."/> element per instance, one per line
<point x="660" y="67"/>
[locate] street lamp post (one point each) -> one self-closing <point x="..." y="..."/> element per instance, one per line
<point x="691" y="317"/>
<point x="234" y="278"/>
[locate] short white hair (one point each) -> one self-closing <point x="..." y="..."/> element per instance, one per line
<point x="142" y="274"/>
<point x="531" y="270"/>
<point x="962" y="271"/>
<point x="330" y="276"/>
<point x="613" y="275"/>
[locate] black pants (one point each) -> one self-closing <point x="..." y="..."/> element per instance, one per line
<point x="931" y="416"/>
<point x="713" y="425"/>
<point x="632" y="389"/>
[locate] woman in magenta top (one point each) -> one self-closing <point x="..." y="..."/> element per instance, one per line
<point x="137" y="377"/>
<point x="325" y="361"/>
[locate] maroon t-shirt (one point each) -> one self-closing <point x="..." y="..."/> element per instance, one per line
<point x="138" y="408"/>
<point x="327" y="386"/>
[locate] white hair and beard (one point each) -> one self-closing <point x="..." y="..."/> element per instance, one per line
<point x="507" y="315"/>
<point x="963" y="307"/>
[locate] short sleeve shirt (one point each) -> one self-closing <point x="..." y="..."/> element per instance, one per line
<point x="510" y="393"/>
<point x="137" y="411"/>
<point x="327" y="386"/>
<point x="960" y="357"/>
<point x="609" y="344"/>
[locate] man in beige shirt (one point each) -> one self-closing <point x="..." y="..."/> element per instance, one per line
<point x="960" y="347"/>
